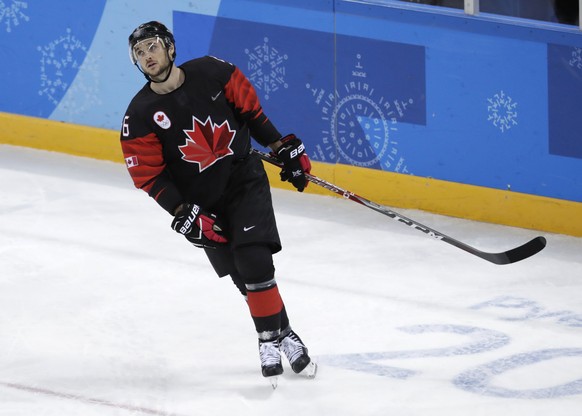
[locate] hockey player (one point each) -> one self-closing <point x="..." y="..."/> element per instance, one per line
<point x="186" y="141"/>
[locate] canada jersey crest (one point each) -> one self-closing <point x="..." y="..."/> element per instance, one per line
<point x="162" y="120"/>
<point x="207" y="142"/>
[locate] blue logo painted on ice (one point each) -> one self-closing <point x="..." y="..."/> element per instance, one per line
<point x="482" y="379"/>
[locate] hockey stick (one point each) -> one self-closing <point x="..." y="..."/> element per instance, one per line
<point x="506" y="257"/>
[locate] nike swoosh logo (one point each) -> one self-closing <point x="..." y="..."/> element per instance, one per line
<point x="216" y="96"/>
<point x="245" y="229"/>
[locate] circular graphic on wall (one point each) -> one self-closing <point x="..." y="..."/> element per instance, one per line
<point x="361" y="125"/>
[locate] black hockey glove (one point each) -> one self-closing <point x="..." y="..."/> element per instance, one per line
<point x="295" y="162"/>
<point x="198" y="226"/>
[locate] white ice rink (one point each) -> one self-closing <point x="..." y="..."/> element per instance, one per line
<point x="104" y="310"/>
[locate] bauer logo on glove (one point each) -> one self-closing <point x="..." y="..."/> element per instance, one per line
<point x="199" y="227"/>
<point x="187" y="226"/>
<point x="297" y="173"/>
<point x="297" y="152"/>
<point x="296" y="163"/>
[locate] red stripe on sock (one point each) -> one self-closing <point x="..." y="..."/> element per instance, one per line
<point x="265" y="303"/>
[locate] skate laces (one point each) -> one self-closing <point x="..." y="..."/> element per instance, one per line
<point x="269" y="353"/>
<point x="293" y="347"/>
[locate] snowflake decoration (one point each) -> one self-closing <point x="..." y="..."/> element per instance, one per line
<point x="61" y="60"/>
<point x="11" y="14"/>
<point x="502" y="111"/>
<point x="83" y="93"/>
<point x="576" y="60"/>
<point x="266" y="68"/>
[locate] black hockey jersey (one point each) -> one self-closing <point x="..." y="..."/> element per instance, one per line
<point x="181" y="146"/>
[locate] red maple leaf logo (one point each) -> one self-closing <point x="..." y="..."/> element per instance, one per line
<point x="207" y="142"/>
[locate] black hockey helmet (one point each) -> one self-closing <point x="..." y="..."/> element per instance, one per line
<point x="150" y="30"/>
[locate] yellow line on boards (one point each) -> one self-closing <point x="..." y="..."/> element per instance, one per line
<point x="387" y="188"/>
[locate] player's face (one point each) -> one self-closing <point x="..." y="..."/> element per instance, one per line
<point x="152" y="57"/>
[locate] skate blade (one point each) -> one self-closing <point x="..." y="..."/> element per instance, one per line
<point x="274" y="380"/>
<point x="310" y="371"/>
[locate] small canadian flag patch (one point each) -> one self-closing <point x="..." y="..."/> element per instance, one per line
<point x="131" y="161"/>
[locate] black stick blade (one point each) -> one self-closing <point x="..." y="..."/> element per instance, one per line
<point x="517" y="254"/>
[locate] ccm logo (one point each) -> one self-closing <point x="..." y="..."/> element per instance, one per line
<point x="298" y="151"/>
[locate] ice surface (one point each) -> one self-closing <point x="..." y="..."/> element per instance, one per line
<point x="105" y="311"/>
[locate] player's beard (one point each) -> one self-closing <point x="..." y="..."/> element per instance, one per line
<point x="161" y="71"/>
